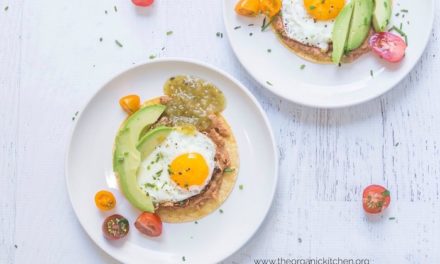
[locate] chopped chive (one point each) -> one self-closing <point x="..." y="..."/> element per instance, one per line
<point x="269" y="50"/>
<point x="250" y="34"/>
<point x="250" y="25"/>
<point x="219" y="34"/>
<point x="240" y="187"/>
<point x="404" y="10"/>
<point x="371" y="73"/>
<point x="152" y="57"/>
<point x="221" y="211"/>
<point x="100" y="39"/>
<point x="302" y="67"/>
<point x="229" y="170"/>
<point x="391" y="218"/>
<point x="403" y="34"/>
<point x="269" y="83"/>
<point x="169" y="33"/>
<point x="183" y="258"/>
<point x="116" y="9"/>
<point x="6" y="8"/>
<point x="265" y="25"/>
<point x="237" y="27"/>
<point x="119" y="43"/>
<point x="312" y="7"/>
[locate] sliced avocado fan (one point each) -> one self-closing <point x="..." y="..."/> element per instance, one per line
<point x="127" y="158"/>
<point x="340" y="32"/>
<point x="381" y="15"/>
<point x="360" y="23"/>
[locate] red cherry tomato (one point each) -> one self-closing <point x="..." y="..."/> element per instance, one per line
<point x="149" y="224"/>
<point x="115" y="227"/>
<point x="375" y="199"/>
<point x="388" y="46"/>
<point x="143" y="2"/>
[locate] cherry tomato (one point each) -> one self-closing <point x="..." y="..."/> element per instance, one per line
<point x="115" y="227"/>
<point x="270" y="7"/>
<point x="248" y="7"/>
<point x="130" y="103"/>
<point x="388" y="46"/>
<point x="142" y="2"/>
<point x="375" y="199"/>
<point x="105" y="200"/>
<point x="149" y="224"/>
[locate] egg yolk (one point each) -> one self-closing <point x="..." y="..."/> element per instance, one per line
<point x="189" y="169"/>
<point x="324" y="9"/>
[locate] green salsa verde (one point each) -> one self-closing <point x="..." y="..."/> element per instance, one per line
<point x="192" y="101"/>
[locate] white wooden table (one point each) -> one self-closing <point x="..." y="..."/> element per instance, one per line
<point x="52" y="61"/>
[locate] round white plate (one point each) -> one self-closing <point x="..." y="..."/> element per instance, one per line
<point x="213" y="238"/>
<point x="326" y="86"/>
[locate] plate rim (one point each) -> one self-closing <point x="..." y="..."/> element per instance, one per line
<point x="173" y="60"/>
<point x="328" y="105"/>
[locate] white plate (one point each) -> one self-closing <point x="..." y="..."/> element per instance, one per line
<point x="215" y="237"/>
<point x="326" y="85"/>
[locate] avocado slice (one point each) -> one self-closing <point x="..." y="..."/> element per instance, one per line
<point x="127" y="158"/>
<point x="360" y="23"/>
<point x="340" y="32"/>
<point x="153" y="138"/>
<point x="381" y="15"/>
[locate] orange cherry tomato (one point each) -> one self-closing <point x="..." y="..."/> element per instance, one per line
<point x="270" y="7"/>
<point x="130" y="103"/>
<point x="248" y="7"/>
<point x="105" y="200"/>
<point x="375" y="199"/>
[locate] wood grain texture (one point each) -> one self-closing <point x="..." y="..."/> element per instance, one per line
<point x="52" y="61"/>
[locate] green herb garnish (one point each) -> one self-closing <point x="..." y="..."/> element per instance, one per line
<point x="302" y="67"/>
<point x="403" y="34"/>
<point x="265" y="25"/>
<point x="169" y="33"/>
<point x="119" y="43"/>
<point x="229" y="170"/>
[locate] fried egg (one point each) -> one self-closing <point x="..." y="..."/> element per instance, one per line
<point x="311" y="22"/>
<point x="179" y="167"/>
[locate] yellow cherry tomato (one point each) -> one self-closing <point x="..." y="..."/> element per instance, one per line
<point x="130" y="103"/>
<point x="248" y="7"/>
<point x="105" y="200"/>
<point x="270" y="7"/>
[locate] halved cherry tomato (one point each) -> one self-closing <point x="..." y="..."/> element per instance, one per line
<point x="270" y="7"/>
<point x="149" y="224"/>
<point x="388" y="46"/>
<point x="143" y="2"/>
<point x="105" y="200"/>
<point x="115" y="227"/>
<point x="375" y="199"/>
<point x="248" y="7"/>
<point x="130" y="103"/>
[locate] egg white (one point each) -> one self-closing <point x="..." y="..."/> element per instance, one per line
<point x="302" y="27"/>
<point x="153" y="175"/>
